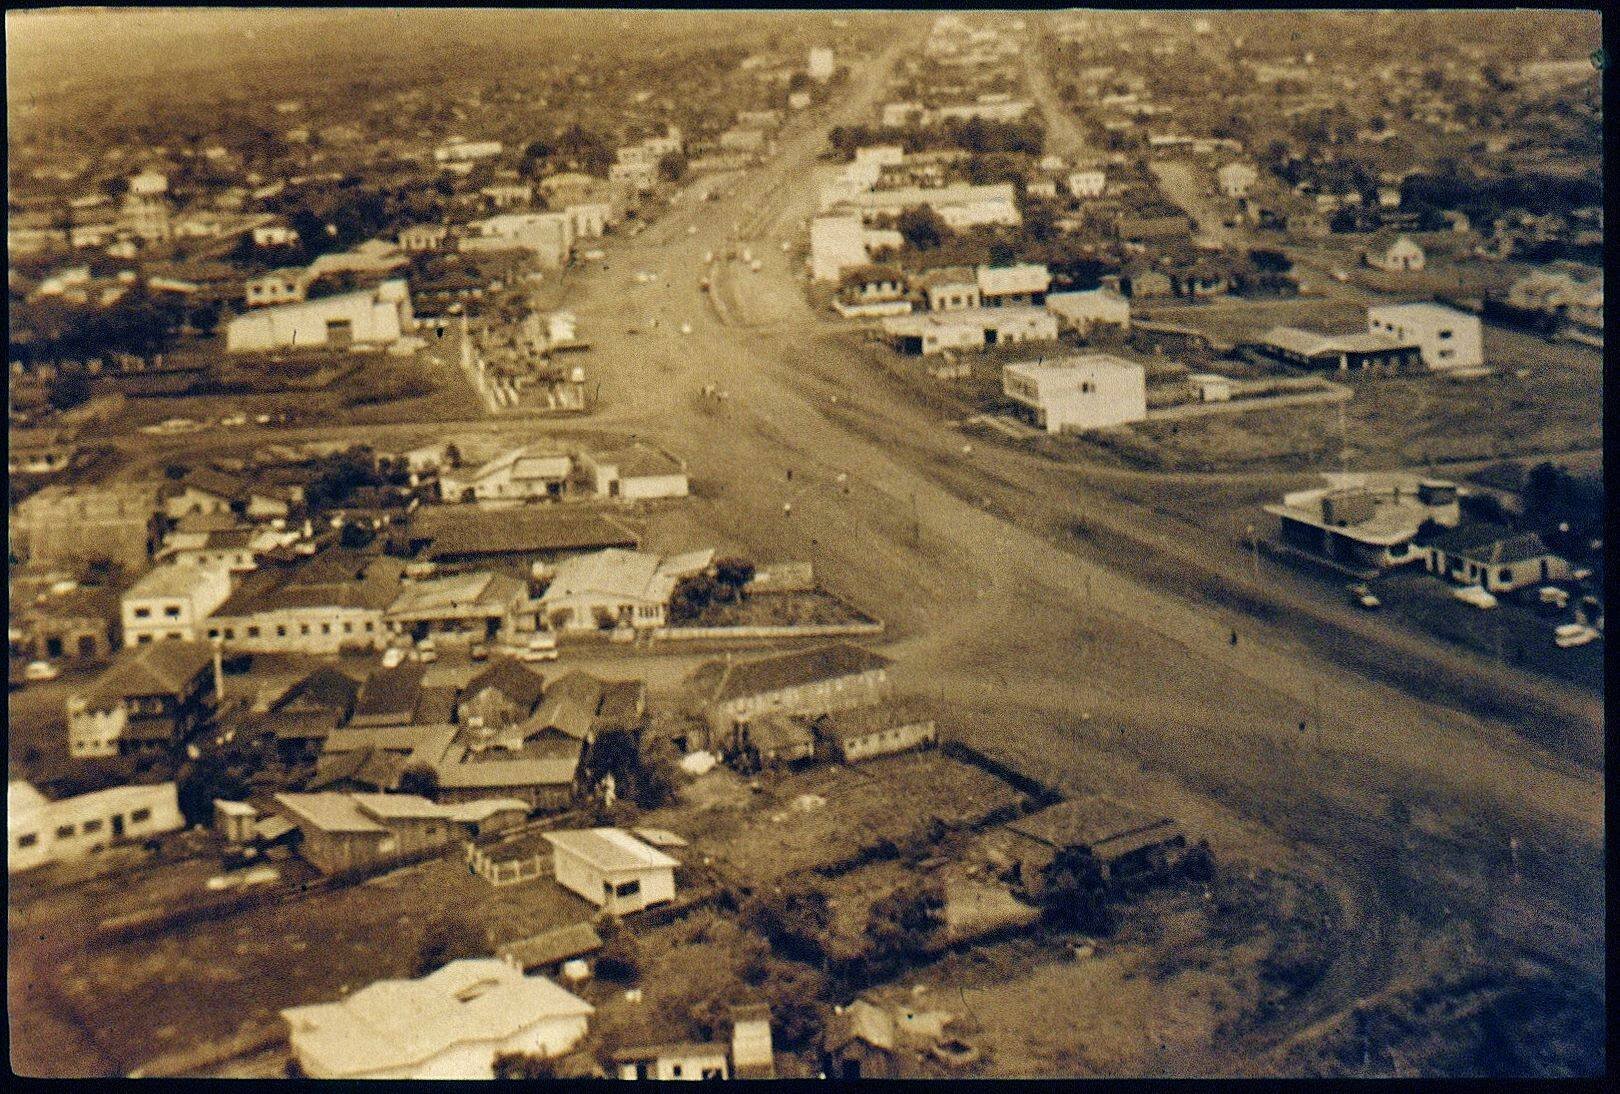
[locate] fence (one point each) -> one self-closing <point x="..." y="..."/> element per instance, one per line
<point x="814" y="630"/>
<point x="505" y="872"/>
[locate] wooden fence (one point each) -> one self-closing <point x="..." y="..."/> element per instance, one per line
<point x="503" y="872"/>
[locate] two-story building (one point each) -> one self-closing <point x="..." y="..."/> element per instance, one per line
<point x="170" y="602"/>
<point x="1090" y="391"/>
<point x="153" y="697"/>
<point x="812" y="682"/>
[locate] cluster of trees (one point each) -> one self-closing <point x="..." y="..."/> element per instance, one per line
<point x="1450" y="186"/>
<point x="643" y="773"/>
<point x="725" y="586"/>
<point x="53" y="329"/>
<point x="979" y="136"/>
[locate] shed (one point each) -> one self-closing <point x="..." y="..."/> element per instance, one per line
<point x="552" y="948"/>
<point x="612" y="869"/>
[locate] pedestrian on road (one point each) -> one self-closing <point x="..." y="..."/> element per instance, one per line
<point x="1302" y="725"/>
<point x="1234" y="638"/>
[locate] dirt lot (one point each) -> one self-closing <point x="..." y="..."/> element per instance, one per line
<point x="759" y="837"/>
<point x="779" y="610"/>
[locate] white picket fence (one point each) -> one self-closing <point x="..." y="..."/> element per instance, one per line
<point x="507" y="871"/>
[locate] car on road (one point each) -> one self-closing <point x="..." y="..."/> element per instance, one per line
<point x="41" y="670"/>
<point x="1339" y="275"/>
<point x="756" y="265"/>
<point x="541" y="647"/>
<point x="1553" y="596"/>
<point x="1362" y="597"/>
<point x="393" y="657"/>
<point x="1573" y="634"/>
<point x="1475" y="595"/>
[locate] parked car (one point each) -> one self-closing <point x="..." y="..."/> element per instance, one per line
<point x="540" y="647"/>
<point x="1475" y="595"/>
<point x="1362" y="597"/>
<point x="393" y="657"/>
<point x="1573" y="634"/>
<point x="1553" y="595"/>
<point x="41" y="670"/>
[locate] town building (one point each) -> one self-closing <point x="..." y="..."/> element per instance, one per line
<point x="352" y="832"/>
<point x="840" y="243"/>
<point x="615" y="588"/>
<point x="54" y="619"/>
<point x="151" y="698"/>
<point x="203" y="492"/>
<point x="867" y="732"/>
<point x="307" y="713"/>
<point x="959" y="205"/>
<point x="461" y="608"/>
<point x="970" y="329"/>
<point x="534" y="471"/>
<point x="283" y="286"/>
<point x="500" y="696"/>
<point x="1495" y="557"/>
<point x="612" y="869"/>
<point x="423" y="237"/>
<point x="1355" y="351"/>
<point x="550" y="952"/>
<point x="872" y="292"/>
<point x="807" y="682"/>
<point x="1139" y="283"/>
<point x="40" y="831"/>
<point x="1393" y="255"/>
<point x="61" y="523"/>
<point x="460" y="536"/>
<point x="1366" y="521"/>
<point x="1448" y="338"/>
<point x="459" y="150"/>
<point x="1023" y="285"/>
<point x="450" y="1024"/>
<point x="529" y="762"/>
<point x="549" y="237"/>
<point x="170" y="602"/>
<point x="1091" y="391"/>
<point x="951" y="288"/>
<point x="1088" y="308"/>
<point x="635" y="473"/>
<point x="673" y="1062"/>
<point x="321" y="605"/>
<point x="378" y="317"/>
<point x="820" y="66"/>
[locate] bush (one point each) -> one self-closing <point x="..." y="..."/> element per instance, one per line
<point x="620" y="959"/>
<point x="449" y="937"/>
<point x="523" y="1065"/>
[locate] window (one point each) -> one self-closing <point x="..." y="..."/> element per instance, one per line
<point x="27" y="839"/>
<point x="253" y="632"/>
<point x="675" y="1070"/>
<point x="1445" y="334"/>
<point x="303" y="628"/>
<point x="326" y="628"/>
<point x="143" y="613"/>
<point x="370" y="626"/>
<point x="281" y="630"/>
<point x="143" y="639"/>
<point x="1504" y="575"/>
<point x="230" y="633"/>
<point x="65" y="832"/>
<point x="348" y="628"/>
<point x="174" y="636"/>
<point x="172" y="611"/>
<point x="628" y="888"/>
<point x="140" y="816"/>
<point x="213" y="632"/>
<point x="92" y="826"/>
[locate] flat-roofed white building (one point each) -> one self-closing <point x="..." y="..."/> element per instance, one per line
<point x="633" y="473"/>
<point x="960" y="205"/>
<point x="970" y="329"/>
<point x="379" y="317"/>
<point x="450" y="1024"/>
<point x="820" y="65"/>
<point x="1447" y="338"/>
<point x="1366" y="520"/>
<point x="1088" y="182"/>
<point x="836" y="245"/>
<point x="1236" y="179"/>
<point x="41" y="831"/>
<point x="612" y="869"/>
<point x="1091" y="391"/>
<point x="457" y="150"/>
<point x="170" y="602"/>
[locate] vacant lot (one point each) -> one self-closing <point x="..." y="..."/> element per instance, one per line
<point x="811" y="608"/>
<point x="802" y="820"/>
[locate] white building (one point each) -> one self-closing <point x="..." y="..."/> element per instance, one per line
<point x="616" y="588"/>
<point x="548" y="236"/>
<point x="1009" y="286"/>
<point x="1089" y="182"/>
<point x="589" y="219"/>
<point x="170" y="602"/>
<point x="457" y="150"/>
<point x="970" y="329"/>
<point x="1085" y="309"/>
<point x="284" y="286"/>
<point x="40" y="831"/>
<point x="612" y="869"/>
<point x="634" y="473"/>
<point x="450" y="1024"/>
<point x="883" y="155"/>
<point x="274" y="235"/>
<point x="1092" y="391"/>
<point x="534" y="471"/>
<point x="1400" y="254"/>
<point x="1235" y="179"/>
<point x="960" y="205"/>
<point x="1448" y="339"/>
<point x="379" y="316"/>
<point x="148" y="184"/>
<point x="821" y="65"/>
<point x="836" y="245"/>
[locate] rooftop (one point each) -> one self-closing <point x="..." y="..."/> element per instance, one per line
<point x="172" y="579"/>
<point x="721" y="681"/>
<point x="457" y="595"/>
<point x="610" y="850"/>
<point x="458" y="530"/>
<point x="397" y="1023"/>
<point x="1493" y="544"/>
<point x="553" y="946"/>
<point x="155" y="668"/>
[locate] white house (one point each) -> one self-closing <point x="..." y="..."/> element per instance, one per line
<point x="1089" y="307"/>
<point x="274" y="235"/>
<point x="836" y="245"/>
<point x="284" y="286"/>
<point x="1009" y="286"/>
<point x="633" y="473"/>
<point x="1092" y="391"/>
<point x="1235" y="179"/>
<point x="1447" y="338"/>
<point x="612" y="869"/>
<point x="1400" y="254"/>
<point x="884" y="155"/>
<point x="548" y="236"/>
<point x="170" y="602"/>
<point x="616" y="587"/>
<point x="450" y="1024"/>
<point x="971" y="328"/>
<point x="148" y="184"/>
<point x="1088" y="183"/>
<point x="820" y="65"/>
<point x="960" y="205"/>
<point x="40" y="831"/>
<point x="457" y="150"/>
<point x="379" y="316"/>
<point x="534" y="471"/>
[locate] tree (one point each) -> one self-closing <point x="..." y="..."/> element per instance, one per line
<point x="355" y="536"/>
<point x="419" y="779"/>
<point x="620" y="959"/>
<point x="672" y="167"/>
<point x="691" y="597"/>
<point x="794" y="921"/>
<point x="449" y="937"/>
<point x="922" y="227"/>
<point x="735" y="572"/>
<point x="68" y="390"/>
<point x="905" y="925"/>
<point x="1074" y="893"/>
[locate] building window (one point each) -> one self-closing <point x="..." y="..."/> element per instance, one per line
<point x="1504" y="575"/>
<point x="143" y="613"/>
<point x="27" y="839"/>
<point x="65" y="832"/>
<point x="628" y="888"/>
<point x="326" y="628"/>
<point x="1445" y="334"/>
<point x="281" y="630"/>
<point x="348" y="628"/>
<point x="141" y="640"/>
<point x="213" y="632"/>
<point x="92" y="826"/>
<point x="172" y="612"/>
<point x="303" y="628"/>
<point x="230" y="634"/>
<point x="140" y="816"/>
<point x="370" y="627"/>
<point x="253" y="632"/>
